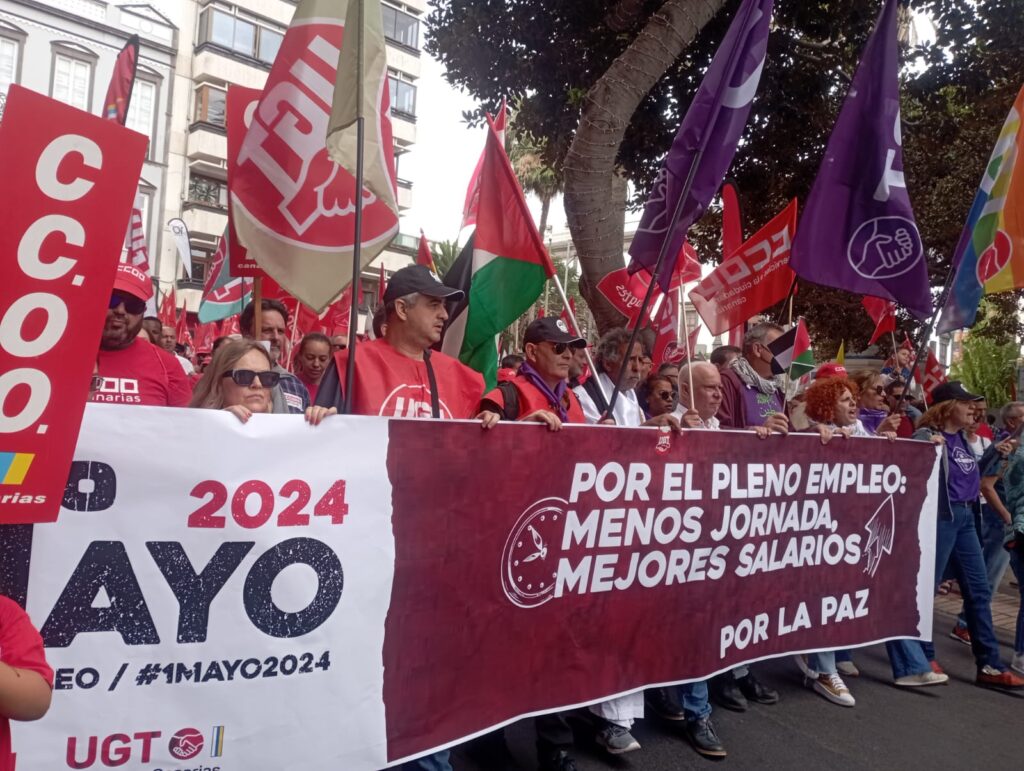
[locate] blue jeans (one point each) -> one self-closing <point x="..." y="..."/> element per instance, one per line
<point x="822" y="662"/>
<point x="844" y="655"/>
<point x="957" y="545"/>
<point x="439" y="761"/>
<point x="1017" y="562"/>
<point x="996" y="557"/>
<point x="907" y="658"/>
<point x="694" y="697"/>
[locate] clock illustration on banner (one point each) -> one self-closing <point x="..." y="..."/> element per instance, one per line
<point x="528" y="561"/>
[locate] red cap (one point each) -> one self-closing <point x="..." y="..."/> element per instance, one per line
<point x="133" y="281"/>
<point x="831" y="370"/>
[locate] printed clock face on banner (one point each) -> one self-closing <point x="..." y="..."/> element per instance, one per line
<point x="529" y="559"/>
<point x="286" y="182"/>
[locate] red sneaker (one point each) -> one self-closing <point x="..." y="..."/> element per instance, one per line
<point x="990" y="677"/>
<point x="936" y="668"/>
<point x="961" y="634"/>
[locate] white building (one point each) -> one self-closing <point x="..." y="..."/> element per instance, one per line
<point x="67" y="48"/>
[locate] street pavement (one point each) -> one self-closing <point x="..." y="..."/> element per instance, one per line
<point x="958" y="725"/>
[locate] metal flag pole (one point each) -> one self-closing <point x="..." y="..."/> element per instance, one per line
<point x="920" y="361"/>
<point x="689" y="353"/>
<point x="353" y="317"/>
<point x="576" y="326"/>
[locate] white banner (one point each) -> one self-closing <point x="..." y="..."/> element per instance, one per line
<point x="271" y="658"/>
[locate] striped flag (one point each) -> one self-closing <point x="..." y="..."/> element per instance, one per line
<point x="792" y="352"/>
<point x="990" y="255"/>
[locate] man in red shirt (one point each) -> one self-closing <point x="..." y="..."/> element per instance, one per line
<point x="539" y="390"/>
<point x="135" y="371"/>
<point x="398" y="375"/>
<point x="26" y="679"/>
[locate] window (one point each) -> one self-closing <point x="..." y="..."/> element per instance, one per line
<point x="207" y="191"/>
<point x="211" y="104"/>
<point x="201" y="257"/>
<point x="142" y="108"/>
<point x="72" y="79"/>
<point x="400" y="27"/>
<point x="224" y="27"/>
<point x="403" y="96"/>
<point x="9" y="50"/>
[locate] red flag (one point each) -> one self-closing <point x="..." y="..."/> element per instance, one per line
<point x="540" y="311"/>
<point x="883" y="313"/>
<point x="184" y="336"/>
<point x="934" y="376"/>
<point x="626" y="292"/>
<point x="138" y="253"/>
<point x="205" y="335"/>
<point x="424" y="256"/>
<point x="168" y="314"/>
<point x="687" y="267"/>
<point x="230" y="326"/>
<point x="382" y="283"/>
<point x="472" y="204"/>
<point x="750" y="280"/>
<point x="119" y="92"/>
<point x="567" y="319"/>
<point x="692" y="339"/>
<point x="732" y="220"/>
<point x="666" y="328"/>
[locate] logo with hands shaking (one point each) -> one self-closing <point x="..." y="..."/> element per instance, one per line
<point x="885" y="247"/>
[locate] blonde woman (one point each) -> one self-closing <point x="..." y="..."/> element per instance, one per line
<point x="239" y="379"/>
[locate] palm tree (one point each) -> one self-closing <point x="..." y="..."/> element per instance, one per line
<point x="526" y="154"/>
<point x="444" y="253"/>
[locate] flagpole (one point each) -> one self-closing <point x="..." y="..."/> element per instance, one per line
<point x="576" y="326"/>
<point x="257" y="306"/>
<point x="353" y="318"/>
<point x="689" y="355"/>
<point x="920" y="361"/>
<point x="789" y="302"/>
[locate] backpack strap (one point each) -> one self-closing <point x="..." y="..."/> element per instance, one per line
<point x="510" y="395"/>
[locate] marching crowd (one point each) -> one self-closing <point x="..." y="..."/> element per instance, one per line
<point x="980" y="528"/>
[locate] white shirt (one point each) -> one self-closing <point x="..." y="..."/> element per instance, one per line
<point x="627" y="410"/>
<point x="185" y="364"/>
<point x="712" y="423"/>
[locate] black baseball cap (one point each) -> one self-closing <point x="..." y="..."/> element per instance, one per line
<point x="552" y="330"/>
<point x="418" y="278"/>
<point x="953" y="390"/>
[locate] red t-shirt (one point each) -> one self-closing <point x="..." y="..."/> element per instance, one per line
<point x="22" y="648"/>
<point x="142" y="373"/>
<point x="532" y="399"/>
<point x="390" y="384"/>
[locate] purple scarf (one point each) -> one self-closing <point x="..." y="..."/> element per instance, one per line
<point x="872" y="419"/>
<point x="555" y="398"/>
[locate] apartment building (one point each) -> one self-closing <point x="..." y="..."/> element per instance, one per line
<point x="67" y="48"/>
<point x="235" y="43"/>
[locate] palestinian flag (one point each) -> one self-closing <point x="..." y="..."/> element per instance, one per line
<point x="792" y="352"/>
<point x="502" y="269"/>
<point x="224" y="295"/>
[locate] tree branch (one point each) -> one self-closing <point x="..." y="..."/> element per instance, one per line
<point x="624" y="15"/>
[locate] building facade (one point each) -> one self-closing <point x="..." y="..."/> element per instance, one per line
<point x="67" y="48"/>
<point x="191" y="51"/>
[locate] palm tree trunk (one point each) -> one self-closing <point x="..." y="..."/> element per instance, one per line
<point x="545" y="209"/>
<point x="595" y="198"/>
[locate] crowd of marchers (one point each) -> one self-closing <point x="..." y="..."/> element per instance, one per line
<point x="556" y="380"/>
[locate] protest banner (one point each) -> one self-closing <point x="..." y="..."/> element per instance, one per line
<point x="271" y="609"/>
<point x="69" y="182"/>
<point x="241" y="102"/>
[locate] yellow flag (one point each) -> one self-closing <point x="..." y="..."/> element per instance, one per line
<point x="841" y="353"/>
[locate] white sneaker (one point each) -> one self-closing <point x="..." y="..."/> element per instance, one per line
<point x="921" y="679"/>
<point x="1017" y="663"/>
<point x="834" y="689"/>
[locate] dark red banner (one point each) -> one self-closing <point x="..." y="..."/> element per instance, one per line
<point x="635" y="558"/>
<point x="69" y="182"/>
<point x="754" y="278"/>
<point x="241" y="102"/>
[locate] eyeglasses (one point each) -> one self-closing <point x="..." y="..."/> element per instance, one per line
<point x="666" y="395"/>
<point x="245" y="377"/>
<point x="132" y="305"/>
<point x="879" y="390"/>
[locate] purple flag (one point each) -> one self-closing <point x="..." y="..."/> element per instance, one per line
<point x="712" y="126"/>
<point x="858" y="231"/>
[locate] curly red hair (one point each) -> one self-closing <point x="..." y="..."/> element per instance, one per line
<point x="823" y="395"/>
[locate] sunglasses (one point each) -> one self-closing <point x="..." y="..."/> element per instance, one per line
<point x="245" y="377"/>
<point x="879" y="390"/>
<point x="132" y="305"/>
<point x="666" y="395"/>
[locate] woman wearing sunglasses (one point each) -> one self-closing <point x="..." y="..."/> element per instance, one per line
<point x="239" y="379"/>
<point x="873" y="409"/>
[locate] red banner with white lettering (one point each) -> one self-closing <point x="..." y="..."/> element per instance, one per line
<point x="754" y="278"/>
<point x="69" y="183"/>
<point x="241" y="101"/>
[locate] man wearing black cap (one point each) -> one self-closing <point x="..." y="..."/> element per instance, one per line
<point x="133" y="370"/>
<point x="539" y="390"/>
<point x="397" y="375"/>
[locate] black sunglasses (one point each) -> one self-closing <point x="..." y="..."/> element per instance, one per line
<point x="132" y="305"/>
<point x="666" y="395"/>
<point x="245" y="377"/>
